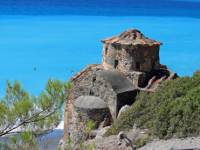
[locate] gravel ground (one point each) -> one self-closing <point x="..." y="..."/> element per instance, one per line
<point x="174" y="144"/>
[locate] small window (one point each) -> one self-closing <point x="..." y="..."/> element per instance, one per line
<point x="91" y="93"/>
<point x="137" y="66"/>
<point x="93" y="79"/>
<point x="116" y="63"/>
<point x="106" y="50"/>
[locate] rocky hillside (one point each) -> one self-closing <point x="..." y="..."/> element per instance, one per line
<point x="171" y="113"/>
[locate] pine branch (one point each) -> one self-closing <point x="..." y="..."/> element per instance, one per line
<point x="32" y="119"/>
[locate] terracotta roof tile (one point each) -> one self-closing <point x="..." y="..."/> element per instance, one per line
<point x="131" y="37"/>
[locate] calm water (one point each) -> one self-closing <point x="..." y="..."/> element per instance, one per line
<point x="35" y="48"/>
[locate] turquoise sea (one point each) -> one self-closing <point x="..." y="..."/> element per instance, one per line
<point x="42" y="39"/>
<point x="35" y="48"/>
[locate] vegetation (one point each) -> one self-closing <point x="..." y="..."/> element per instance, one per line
<point x="139" y="142"/>
<point x="172" y="111"/>
<point x="22" y="141"/>
<point x="85" y="132"/>
<point x="90" y="124"/>
<point x="31" y="113"/>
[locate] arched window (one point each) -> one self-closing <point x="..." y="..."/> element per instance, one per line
<point x="106" y="51"/>
<point x="137" y="66"/>
<point x="116" y="64"/>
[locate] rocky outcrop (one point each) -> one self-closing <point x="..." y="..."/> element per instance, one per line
<point x="122" y="141"/>
<point x="123" y="109"/>
<point x="192" y="143"/>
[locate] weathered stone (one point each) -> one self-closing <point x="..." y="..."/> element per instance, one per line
<point x="122" y="141"/>
<point x="89" y="102"/>
<point x="131" y="51"/>
<point x="111" y="86"/>
<point x="123" y="109"/>
<point x="101" y="132"/>
<point x="122" y="137"/>
<point x="91" y="108"/>
<point x="137" y="78"/>
<point x="130" y="64"/>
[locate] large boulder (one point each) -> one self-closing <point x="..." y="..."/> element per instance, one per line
<point x="123" y="109"/>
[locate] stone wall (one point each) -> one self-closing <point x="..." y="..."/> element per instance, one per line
<point x="138" y="79"/>
<point x="109" y="56"/>
<point x="130" y="64"/>
<point x="131" y="58"/>
<point x="87" y="82"/>
<point x="97" y="115"/>
<point x="104" y="90"/>
<point x="91" y="83"/>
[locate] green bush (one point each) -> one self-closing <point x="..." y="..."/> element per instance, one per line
<point x="172" y="111"/>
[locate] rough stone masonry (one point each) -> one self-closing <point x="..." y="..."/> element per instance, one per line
<point x="130" y="64"/>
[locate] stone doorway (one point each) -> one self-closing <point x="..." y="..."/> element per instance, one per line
<point x="126" y="98"/>
<point x="116" y="63"/>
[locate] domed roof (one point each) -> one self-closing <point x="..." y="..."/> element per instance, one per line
<point x="90" y="102"/>
<point x="131" y="37"/>
<point x="119" y="83"/>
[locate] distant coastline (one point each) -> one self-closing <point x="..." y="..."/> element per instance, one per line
<point x="50" y="139"/>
